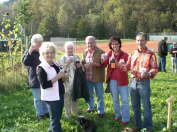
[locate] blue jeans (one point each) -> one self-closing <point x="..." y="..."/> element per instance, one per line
<point x="40" y="106"/>
<point x="99" y="93"/>
<point x="162" y="63"/>
<point x="174" y="64"/>
<point x="140" y="93"/>
<point x="123" y="111"/>
<point x="55" y="112"/>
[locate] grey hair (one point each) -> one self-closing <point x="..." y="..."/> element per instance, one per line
<point x="36" y="37"/>
<point x="68" y="43"/>
<point x="90" y="37"/>
<point x="142" y="34"/>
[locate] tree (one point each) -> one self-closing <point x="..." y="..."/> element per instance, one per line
<point x="102" y="18"/>
<point x="49" y="27"/>
<point x="24" y="14"/>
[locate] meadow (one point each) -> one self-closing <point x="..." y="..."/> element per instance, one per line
<point x="17" y="113"/>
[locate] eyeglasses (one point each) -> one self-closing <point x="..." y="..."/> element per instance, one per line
<point x="116" y="44"/>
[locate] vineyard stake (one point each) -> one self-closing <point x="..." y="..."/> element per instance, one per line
<point x="169" y="117"/>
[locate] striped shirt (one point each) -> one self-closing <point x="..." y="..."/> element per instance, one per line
<point x="88" y="60"/>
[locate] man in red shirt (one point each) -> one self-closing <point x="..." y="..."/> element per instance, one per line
<point x="143" y="66"/>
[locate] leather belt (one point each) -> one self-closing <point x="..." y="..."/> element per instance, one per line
<point x="140" y="79"/>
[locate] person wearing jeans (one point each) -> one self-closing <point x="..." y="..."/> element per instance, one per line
<point x="52" y="88"/>
<point x="55" y="111"/>
<point x="117" y="79"/>
<point x="162" y="53"/>
<point x="141" y="92"/>
<point x="143" y="65"/>
<point x="40" y="106"/>
<point x="174" y="57"/>
<point x="174" y="64"/>
<point x="99" y="93"/>
<point x="94" y="74"/>
<point x="31" y="61"/>
<point x="121" y="112"/>
<point x="162" y="63"/>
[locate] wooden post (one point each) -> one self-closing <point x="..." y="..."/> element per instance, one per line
<point x="169" y="118"/>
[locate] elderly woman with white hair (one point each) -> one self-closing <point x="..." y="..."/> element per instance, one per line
<point x="31" y="61"/>
<point x="69" y="62"/>
<point x="52" y="89"/>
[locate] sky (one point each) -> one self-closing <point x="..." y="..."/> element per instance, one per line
<point x="2" y="1"/>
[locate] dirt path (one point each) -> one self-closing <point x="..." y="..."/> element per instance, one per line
<point x="126" y="46"/>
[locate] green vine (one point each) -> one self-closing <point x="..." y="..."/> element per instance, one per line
<point x="11" y="33"/>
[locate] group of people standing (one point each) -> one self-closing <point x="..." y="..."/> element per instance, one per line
<point x="163" y="52"/>
<point x="52" y="81"/>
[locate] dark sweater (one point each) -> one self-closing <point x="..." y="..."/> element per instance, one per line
<point x="162" y="49"/>
<point x="32" y="61"/>
<point x="80" y="88"/>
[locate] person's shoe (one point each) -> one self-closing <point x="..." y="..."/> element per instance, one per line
<point x="123" y="123"/>
<point x="100" y="115"/>
<point x="148" y="131"/>
<point x="135" y="129"/>
<point x="89" y="111"/>
<point x="40" y="117"/>
<point x="117" y="118"/>
<point x="47" y="115"/>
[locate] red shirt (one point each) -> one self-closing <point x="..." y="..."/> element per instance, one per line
<point x="116" y="73"/>
<point x="145" y="60"/>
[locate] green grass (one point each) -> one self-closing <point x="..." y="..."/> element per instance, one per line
<point x="17" y="113"/>
<point x="103" y="41"/>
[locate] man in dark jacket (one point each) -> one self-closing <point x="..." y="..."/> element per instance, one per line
<point x="31" y="60"/>
<point x="162" y="53"/>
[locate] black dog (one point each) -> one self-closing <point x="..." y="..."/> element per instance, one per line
<point x="87" y="125"/>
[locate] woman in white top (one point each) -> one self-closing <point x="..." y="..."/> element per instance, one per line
<point x="52" y="89"/>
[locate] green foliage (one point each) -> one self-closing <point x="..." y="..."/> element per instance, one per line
<point x="49" y="27"/>
<point x="25" y="16"/>
<point x="83" y="28"/>
<point x="101" y="18"/>
<point x="10" y="61"/>
<point x="24" y="11"/>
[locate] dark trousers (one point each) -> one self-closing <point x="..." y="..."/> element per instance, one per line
<point x="162" y="63"/>
<point x="55" y="111"/>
